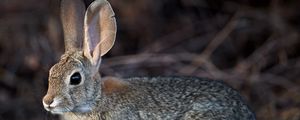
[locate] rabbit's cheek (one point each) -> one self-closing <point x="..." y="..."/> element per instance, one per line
<point x="76" y="96"/>
<point x="90" y="91"/>
<point x="65" y="105"/>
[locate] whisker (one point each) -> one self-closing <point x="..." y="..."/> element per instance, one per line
<point x="78" y="118"/>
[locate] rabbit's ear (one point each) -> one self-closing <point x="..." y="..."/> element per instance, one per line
<point x="99" y="30"/>
<point x="72" y="15"/>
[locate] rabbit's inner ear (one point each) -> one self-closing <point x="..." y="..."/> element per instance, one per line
<point x="99" y="30"/>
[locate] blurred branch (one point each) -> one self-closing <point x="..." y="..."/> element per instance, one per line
<point x="176" y="37"/>
<point x="264" y="53"/>
<point x="216" y="41"/>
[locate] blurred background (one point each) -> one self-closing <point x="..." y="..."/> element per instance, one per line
<point x="253" y="45"/>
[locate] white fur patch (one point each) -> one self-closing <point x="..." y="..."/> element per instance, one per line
<point x="84" y="108"/>
<point x="56" y="101"/>
<point x="45" y="106"/>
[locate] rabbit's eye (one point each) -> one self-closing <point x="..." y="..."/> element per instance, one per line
<point x="75" y="78"/>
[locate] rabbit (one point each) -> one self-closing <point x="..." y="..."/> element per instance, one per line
<point x="76" y="90"/>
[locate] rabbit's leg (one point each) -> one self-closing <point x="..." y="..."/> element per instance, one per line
<point x="201" y="115"/>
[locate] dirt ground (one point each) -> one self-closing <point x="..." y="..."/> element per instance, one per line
<point x="253" y="45"/>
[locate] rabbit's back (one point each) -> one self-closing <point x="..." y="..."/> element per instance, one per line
<point x="183" y="98"/>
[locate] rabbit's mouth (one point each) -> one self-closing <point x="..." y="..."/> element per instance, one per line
<point x="56" y="105"/>
<point x="62" y="110"/>
<point x="57" y="110"/>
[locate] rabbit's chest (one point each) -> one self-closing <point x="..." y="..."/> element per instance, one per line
<point x="74" y="116"/>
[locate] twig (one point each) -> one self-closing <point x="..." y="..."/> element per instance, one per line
<point x="216" y="41"/>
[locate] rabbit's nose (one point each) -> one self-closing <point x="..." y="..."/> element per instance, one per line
<point x="47" y="101"/>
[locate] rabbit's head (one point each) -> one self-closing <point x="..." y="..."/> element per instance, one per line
<point x="74" y="80"/>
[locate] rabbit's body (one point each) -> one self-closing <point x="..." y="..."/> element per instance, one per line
<point x="76" y="90"/>
<point x="168" y="98"/>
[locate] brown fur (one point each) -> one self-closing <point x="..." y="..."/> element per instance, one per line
<point x="113" y="85"/>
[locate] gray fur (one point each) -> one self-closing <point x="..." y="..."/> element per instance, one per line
<point x="171" y="98"/>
